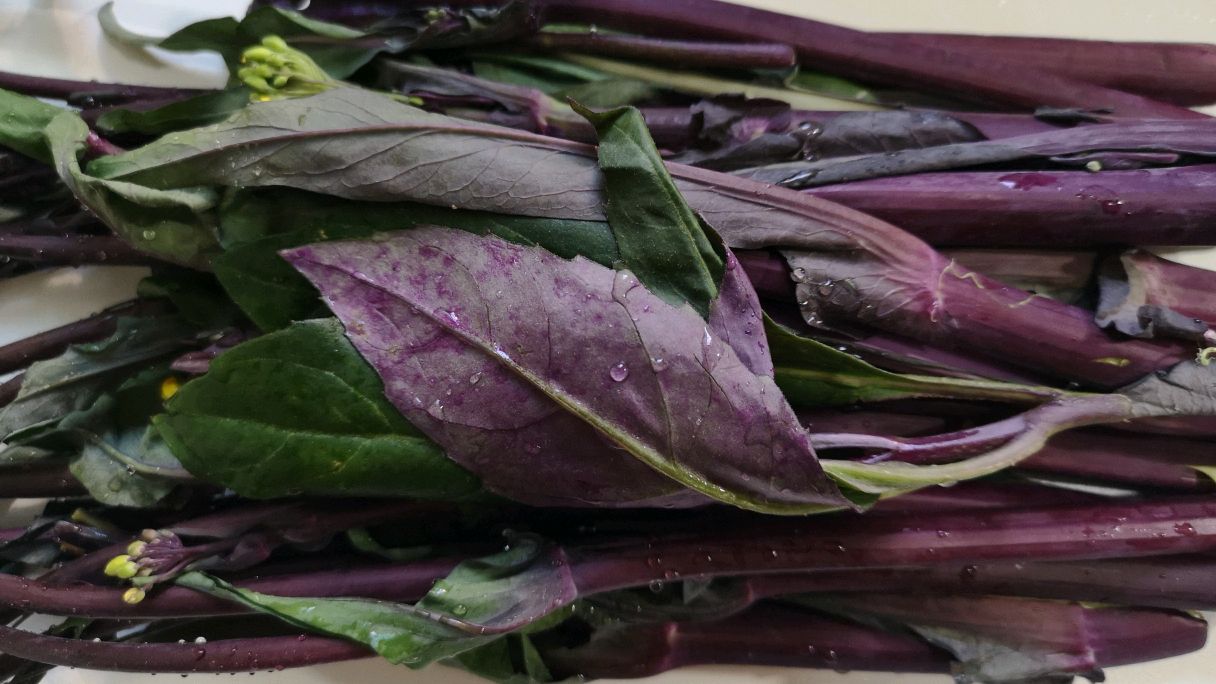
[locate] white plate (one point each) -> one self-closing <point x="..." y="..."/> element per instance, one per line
<point x="61" y="38"/>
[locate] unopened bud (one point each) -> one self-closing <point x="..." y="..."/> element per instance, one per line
<point x="121" y="567"/>
<point x="133" y="595"/>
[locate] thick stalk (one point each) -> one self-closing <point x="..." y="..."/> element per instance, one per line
<point x="229" y="655"/>
<point x="679" y="53"/>
<point x="768" y="635"/>
<point x="88" y="93"/>
<point x="1179" y="73"/>
<point x="1130" y="460"/>
<point x="72" y="250"/>
<point x="1169" y="206"/>
<point x="967" y="311"/>
<point x="1178" y="582"/>
<point x="851" y="53"/>
<point x="399" y="582"/>
<point x="9" y="389"/>
<point x="1031" y="268"/>
<point x="1110" y="530"/>
<point x="1060" y="636"/>
<point x="1153" y="281"/>
<point x="39" y="481"/>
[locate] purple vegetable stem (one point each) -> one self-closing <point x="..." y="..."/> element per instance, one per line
<point x="39" y="480"/>
<point x="234" y="655"/>
<point x="1179" y="73"/>
<point x="1169" y="206"/>
<point x="769" y="635"/>
<point x="780" y="545"/>
<point x="72" y="250"/>
<point x="90" y="91"/>
<point x="399" y="582"/>
<point x="669" y="52"/>
<point x="9" y="389"/>
<point x="1160" y="282"/>
<point x="852" y="53"/>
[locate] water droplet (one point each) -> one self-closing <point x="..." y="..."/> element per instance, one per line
<point x="1185" y="529"/>
<point x="656" y="586"/>
<point x="618" y="372"/>
<point x="943" y="534"/>
<point x="659" y="363"/>
<point x="149" y="234"/>
<point x="436" y="410"/>
<point x="200" y="640"/>
<point x="460" y="610"/>
<point x="130" y="470"/>
<point x="475" y="378"/>
<point x="623" y="284"/>
<point x="799" y="274"/>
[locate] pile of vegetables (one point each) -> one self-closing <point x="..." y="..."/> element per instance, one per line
<point x="573" y="338"/>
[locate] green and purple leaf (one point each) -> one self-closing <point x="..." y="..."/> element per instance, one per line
<point x="508" y="355"/>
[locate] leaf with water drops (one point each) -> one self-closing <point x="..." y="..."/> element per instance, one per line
<point x="171" y="224"/>
<point x="588" y="381"/>
<point x="298" y="411"/>
<point x="523" y="588"/>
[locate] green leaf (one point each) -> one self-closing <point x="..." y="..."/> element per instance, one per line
<point x="811" y="373"/>
<point x="94" y="402"/>
<point x="72" y="382"/>
<point x="167" y="223"/>
<point x="299" y="411"/>
<point x="120" y="459"/>
<point x="513" y="659"/>
<point x="547" y="74"/>
<point x="832" y="86"/>
<point x="696" y="83"/>
<point x="523" y="588"/>
<point x="659" y="237"/>
<point x="200" y="110"/>
<point x="129" y="467"/>
<point x="323" y="144"/>
<point x="273" y="294"/>
<point x="197" y="296"/>
<point x="22" y="122"/>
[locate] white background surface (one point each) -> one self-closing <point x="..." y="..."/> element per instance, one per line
<point x="60" y="38"/>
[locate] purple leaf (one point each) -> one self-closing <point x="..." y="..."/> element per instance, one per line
<point x="567" y="383"/>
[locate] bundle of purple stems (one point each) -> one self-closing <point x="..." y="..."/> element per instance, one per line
<point x="1020" y="203"/>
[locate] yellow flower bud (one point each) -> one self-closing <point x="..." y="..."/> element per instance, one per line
<point x="121" y="567"/>
<point x="256" y="54"/>
<point x="133" y="595"/>
<point x="136" y="548"/>
<point x="274" y="43"/>
<point x="169" y="387"/>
